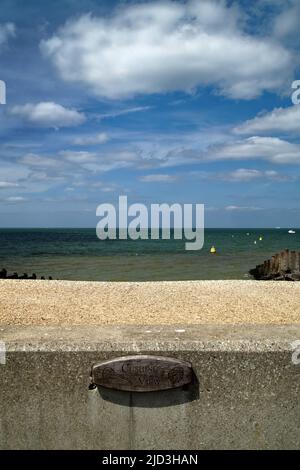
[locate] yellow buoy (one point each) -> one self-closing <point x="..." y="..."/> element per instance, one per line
<point x="213" y="250"/>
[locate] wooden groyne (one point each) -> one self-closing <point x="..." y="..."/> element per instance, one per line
<point x="284" y="266"/>
<point x="5" y="275"/>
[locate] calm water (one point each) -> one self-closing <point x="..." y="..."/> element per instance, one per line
<point x="77" y="254"/>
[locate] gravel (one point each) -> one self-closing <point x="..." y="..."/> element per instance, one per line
<point x="25" y="302"/>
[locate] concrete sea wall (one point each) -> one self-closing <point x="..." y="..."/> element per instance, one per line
<point x="245" y="393"/>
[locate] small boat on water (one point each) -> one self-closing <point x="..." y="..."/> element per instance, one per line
<point x="291" y="231"/>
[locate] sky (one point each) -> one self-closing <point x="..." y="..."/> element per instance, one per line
<point x="165" y="102"/>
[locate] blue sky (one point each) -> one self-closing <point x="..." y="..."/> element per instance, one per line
<point x="164" y="101"/>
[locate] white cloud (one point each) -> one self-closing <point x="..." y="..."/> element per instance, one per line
<point x="284" y="120"/>
<point x="114" y="160"/>
<point x="12" y="172"/>
<point x="241" y="175"/>
<point x="91" y="139"/>
<point x="15" y="199"/>
<point x="42" y="176"/>
<point x="40" y="161"/>
<point x="78" y="157"/>
<point x="122" y="112"/>
<point x="265" y="148"/>
<point x="271" y="149"/>
<point x="287" y="22"/>
<point x="70" y="161"/>
<point x="168" y="46"/>
<point x="7" y="185"/>
<point x="48" y="114"/>
<point x="242" y="208"/>
<point x="244" y="175"/>
<point x="106" y="188"/>
<point x="7" y="30"/>
<point x="158" y="178"/>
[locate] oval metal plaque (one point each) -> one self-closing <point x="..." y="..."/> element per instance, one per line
<point x="142" y="373"/>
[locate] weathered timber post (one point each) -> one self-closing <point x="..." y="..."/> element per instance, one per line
<point x="281" y="267"/>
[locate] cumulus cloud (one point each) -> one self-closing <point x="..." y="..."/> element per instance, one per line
<point x="168" y="46"/>
<point x="158" y="178"/>
<point x="271" y="149"/>
<point x="281" y="120"/>
<point x="48" y="114"/>
<point x="287" y="22"/>
<point x="7" y="30"/>
<point x="91" y="139"/>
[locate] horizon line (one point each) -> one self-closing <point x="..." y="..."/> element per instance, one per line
<point x="118" y="228"/>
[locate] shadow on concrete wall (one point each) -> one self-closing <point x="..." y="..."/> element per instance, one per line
<point x="159" y="399"/>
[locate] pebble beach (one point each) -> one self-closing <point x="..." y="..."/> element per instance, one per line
<point x="148" y="303"/>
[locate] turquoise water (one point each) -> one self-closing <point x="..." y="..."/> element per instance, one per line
<point x="77" y="254"/>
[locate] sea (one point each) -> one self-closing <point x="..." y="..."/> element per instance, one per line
<point x="77" y="254"/>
